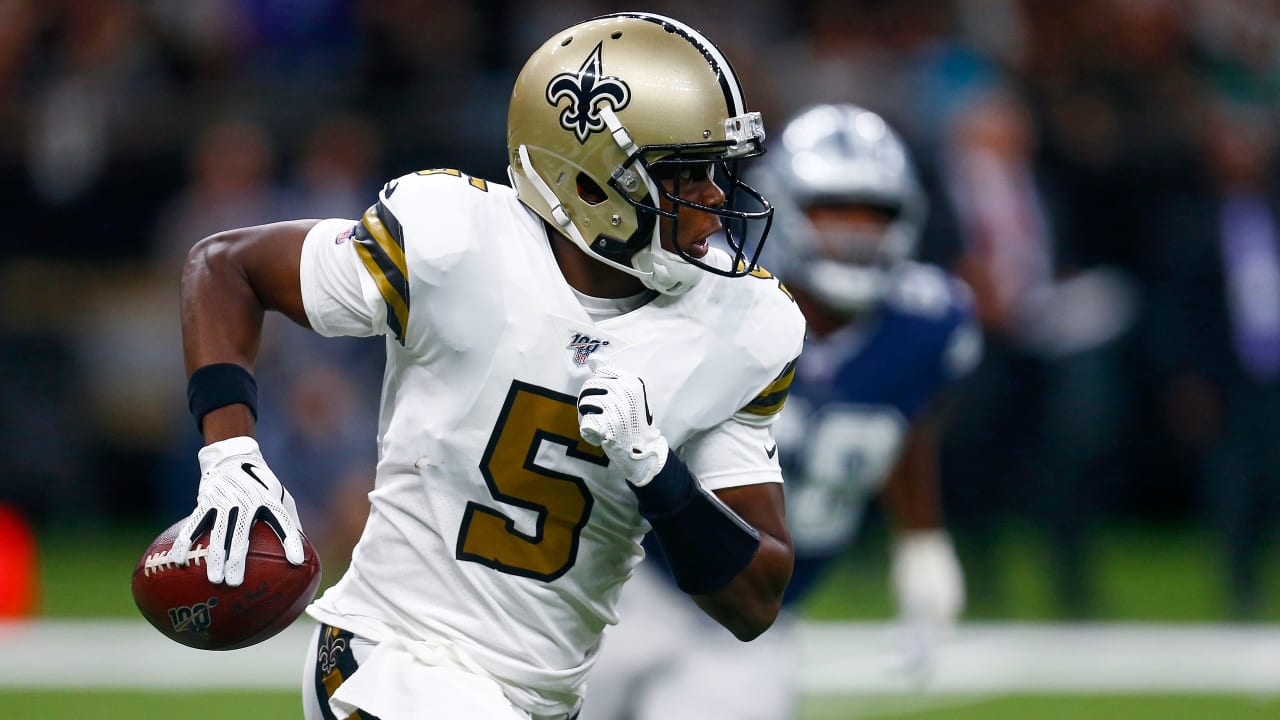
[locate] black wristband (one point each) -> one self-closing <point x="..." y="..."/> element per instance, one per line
<point x="703" y="540"/>
<point x="669" y="490"/>
<point x="218" y="385"/>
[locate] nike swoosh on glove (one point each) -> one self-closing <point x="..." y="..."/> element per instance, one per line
<point x="236" y="489"/>
<point x="613" y="413"/>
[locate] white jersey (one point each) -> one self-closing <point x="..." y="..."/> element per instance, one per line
<point x="494" y="528"/>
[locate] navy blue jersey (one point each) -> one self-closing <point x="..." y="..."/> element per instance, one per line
<point x="855" y="395"/>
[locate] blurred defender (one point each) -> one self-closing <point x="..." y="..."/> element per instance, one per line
<point x="569" y="364"/>
<point x="887" y="336"/>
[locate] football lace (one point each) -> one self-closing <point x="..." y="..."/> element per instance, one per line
<point x="157" y="562"/>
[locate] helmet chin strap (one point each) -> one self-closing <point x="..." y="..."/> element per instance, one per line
<point x="659" y="269"/>
<point x="561" y="217"/>
<point x="667" y="272"/>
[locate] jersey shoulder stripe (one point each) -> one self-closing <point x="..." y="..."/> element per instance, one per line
<point x="475" y="182"/>
<point x="379" y="241"/>
<point x="774" y="396"/>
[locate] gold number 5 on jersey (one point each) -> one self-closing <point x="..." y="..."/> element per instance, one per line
<point x="530" y="416"/>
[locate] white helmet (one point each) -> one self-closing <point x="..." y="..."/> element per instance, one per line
<point x="605" y="104"/>
<point x="834" y="156"/>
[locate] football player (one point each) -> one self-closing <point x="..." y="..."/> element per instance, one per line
<point x="570" y="364"/>
<point x="887" y="336"/>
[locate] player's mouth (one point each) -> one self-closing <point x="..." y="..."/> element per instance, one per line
<point x="699" y="248"/>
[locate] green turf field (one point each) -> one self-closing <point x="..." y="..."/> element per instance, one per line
<point x="210" y="706"/>
<point x="103" y="705"/>
<point x="1142" y="574"/>
<point x="1161" y="574"/>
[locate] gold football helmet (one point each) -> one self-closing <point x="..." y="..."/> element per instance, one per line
<point x="602" y="109"/>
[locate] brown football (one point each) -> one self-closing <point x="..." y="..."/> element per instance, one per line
<point x="182" y="604"/>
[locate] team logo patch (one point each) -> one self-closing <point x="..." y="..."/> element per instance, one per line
<point x="586" y="90"/>
<point x="195" y="618"/>
<point x="582" y="347"/>
<point x="330" y="652"/>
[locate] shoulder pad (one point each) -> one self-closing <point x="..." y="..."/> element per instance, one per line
<point x="430" y="204"/>
<point x="773" y="332"/>
<point x="926" y="291"/>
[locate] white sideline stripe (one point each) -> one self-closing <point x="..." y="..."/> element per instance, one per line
<point x="836" y="658"/>
<point x="131" y="655"/>
<point x="992" y="658"/>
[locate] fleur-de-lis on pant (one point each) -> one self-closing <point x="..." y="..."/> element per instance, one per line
<point x="329" y="652"/>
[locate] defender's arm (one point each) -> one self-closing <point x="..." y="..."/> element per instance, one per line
<point x="924" y="572"/>
<point x="911" y="495"/>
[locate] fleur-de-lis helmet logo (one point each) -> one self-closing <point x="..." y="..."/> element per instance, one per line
<point x="586" y="89"/>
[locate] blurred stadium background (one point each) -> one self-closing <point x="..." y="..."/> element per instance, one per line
<point x="1103" y="172"/>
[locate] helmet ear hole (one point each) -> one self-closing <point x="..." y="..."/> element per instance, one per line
<point x="590" y="191"/>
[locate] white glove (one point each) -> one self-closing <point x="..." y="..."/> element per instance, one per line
<point x="235" y="480"/>
<point x="928" y="585"/>
<point x="613" y="412"/>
